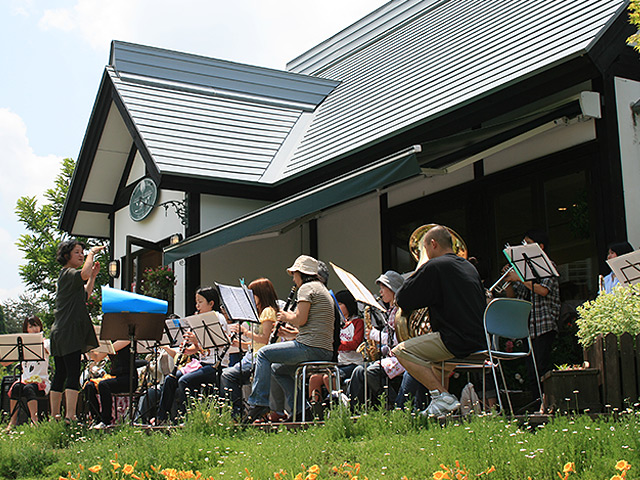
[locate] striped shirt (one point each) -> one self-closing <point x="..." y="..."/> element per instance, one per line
<point x="318" y="331"/>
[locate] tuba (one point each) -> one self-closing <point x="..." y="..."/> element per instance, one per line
<point x="417" y="322"/>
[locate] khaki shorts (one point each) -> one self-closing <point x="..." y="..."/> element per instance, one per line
<point x="424" y="350"/>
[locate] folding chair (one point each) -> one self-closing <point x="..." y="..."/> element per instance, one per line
<point x="506" y="318"/>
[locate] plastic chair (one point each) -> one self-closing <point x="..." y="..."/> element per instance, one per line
<point x="301" y="377"/>
<point x="506" y="318"/>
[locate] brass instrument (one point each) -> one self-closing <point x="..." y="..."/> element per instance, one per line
<point x="368" y="348"/>
<point x="417" y="322"/>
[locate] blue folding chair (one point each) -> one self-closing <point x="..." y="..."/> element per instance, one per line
<point x="503" y="318"/>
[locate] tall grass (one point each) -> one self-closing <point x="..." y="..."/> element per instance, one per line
<point x="385" y="444"/>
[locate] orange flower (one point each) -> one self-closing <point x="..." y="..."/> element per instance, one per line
<point x="623" y="465"/>
<point x="95" y="468"/>
<point x="314" y="469"/>
<point x="127" y="469"/>
<point x="440" y="475"/>
<point x="115" y="464"/>
<point x="569" y="467"/>
<point x="617" y="477"/>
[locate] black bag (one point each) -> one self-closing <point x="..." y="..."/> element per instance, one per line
<point x="7" y="381"/>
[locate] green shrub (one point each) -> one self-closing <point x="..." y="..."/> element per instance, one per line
<point x="617" y="312"/>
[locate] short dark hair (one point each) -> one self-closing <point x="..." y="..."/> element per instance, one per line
<point x="65" y="249"/>
<point x="210" y="294"/>
<point x="538" y="236"/>
<point x="441" y="235"/>
<point x="345" y="297"/>
<point x="33" y="322"/>
<point x="620" y="248"/>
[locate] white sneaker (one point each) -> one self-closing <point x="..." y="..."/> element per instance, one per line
<point x="442" y="404"/>
<point x="99" y="426"/>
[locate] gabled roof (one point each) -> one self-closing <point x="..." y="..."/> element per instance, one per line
<point x="203" y="117"/>
<point x="410" y="62"/>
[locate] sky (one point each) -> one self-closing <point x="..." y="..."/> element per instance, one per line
<point x="53" y="54"/>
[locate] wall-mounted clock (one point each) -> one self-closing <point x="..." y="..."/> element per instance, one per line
<point x="143" y="199"/>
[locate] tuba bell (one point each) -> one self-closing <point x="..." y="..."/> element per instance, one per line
<point x="417" y="322"/>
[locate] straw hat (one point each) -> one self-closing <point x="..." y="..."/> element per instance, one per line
<point x="304" y="264"/>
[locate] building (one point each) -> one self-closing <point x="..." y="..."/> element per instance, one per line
<point x="487" y="117"/>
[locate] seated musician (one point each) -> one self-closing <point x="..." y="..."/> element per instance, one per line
<point x="34" y="380"/>
<point x="385" y="373"/>
<point x="200" y="372"/>
<point x="117" y="381"/>
<point x="235" y="376"/>
<point x="351" y="336"/>
<point x="314" y="317"/>
<point x="450" y="286"/>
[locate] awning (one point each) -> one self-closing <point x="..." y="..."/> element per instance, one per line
<point x="387" y="171"/>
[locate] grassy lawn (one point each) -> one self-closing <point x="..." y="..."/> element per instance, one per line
<point x="391" y="445"/>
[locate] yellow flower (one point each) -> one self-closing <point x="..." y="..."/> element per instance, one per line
<point x="95" y="468"/>
<point x="299" y="477"/>
<point x="622" y="465"/>
<point x="115" y="464"/>
<point x="617" y="477"/>
<point x="440" y="475"/>
<point x="128" y="469"/>
<point x="314" y="469"/>
<point x="569" y="467"/>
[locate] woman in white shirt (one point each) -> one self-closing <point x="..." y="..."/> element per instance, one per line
<point x="34" y="381"/>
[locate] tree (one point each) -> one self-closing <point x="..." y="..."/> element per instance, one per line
<point x="16" y="311"/>
<point x="634" y="19"/>
<point x="40" y="272"/>
<point x="3" y="324"/>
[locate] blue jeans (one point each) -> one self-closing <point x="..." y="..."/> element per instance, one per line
<point x="233" y="378"/>
<point x="281" y="359"/>
<point x="410" y="387"/>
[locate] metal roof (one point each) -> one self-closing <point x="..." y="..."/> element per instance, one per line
<point x="424" y="63"/>
<point x="209" y="118"/>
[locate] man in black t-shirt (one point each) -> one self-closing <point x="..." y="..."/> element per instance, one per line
<point x="451" y="287"/>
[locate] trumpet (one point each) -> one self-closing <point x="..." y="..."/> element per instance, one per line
<point x="501" y="285"/>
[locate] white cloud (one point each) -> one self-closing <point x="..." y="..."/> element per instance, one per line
<point x="24" y="173"/>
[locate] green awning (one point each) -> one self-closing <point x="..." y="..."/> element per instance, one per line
<point x="382" y="173"/>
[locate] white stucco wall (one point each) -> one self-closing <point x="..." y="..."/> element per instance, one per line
<point x="252" y="259"/>
<point x="154" y="228"/>
<point x="349" y="236"/>
<point x="216" y="210"/>
<point x="628" y="93"/>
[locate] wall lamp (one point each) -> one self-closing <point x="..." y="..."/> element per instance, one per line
<point x="175" y="238"/>
<point x="114" y="268"/>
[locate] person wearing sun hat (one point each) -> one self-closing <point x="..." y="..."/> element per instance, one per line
<point x="314" y="317"/>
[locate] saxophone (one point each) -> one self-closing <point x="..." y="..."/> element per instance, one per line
<point x="368" y="348"/>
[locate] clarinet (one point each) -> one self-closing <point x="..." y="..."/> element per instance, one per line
<point x="178" y="358"/>
<point x="273" y="338"/>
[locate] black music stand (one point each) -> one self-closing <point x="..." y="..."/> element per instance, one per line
<point x="21" y="347"/>
<point x="531" y="264"/>
<point x="132" y="327"/>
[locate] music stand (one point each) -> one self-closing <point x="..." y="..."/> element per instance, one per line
<point x="208" y="330"/>
<point x="626" y="268"/>
<point x="132" y="327"/>
<point x="21" y="347"/>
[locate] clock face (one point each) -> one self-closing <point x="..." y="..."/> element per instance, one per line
<point x="143" y="199"/>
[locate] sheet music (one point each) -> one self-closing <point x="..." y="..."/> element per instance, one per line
<point x="208" y="330"/>
<point x="174" y="330"/>
<point x="238" y="303"/>
<point x="626" y="267"/>
<point x="357" y="289"/>
<point x="104" y="346"/>
<point x="530" y="262"/>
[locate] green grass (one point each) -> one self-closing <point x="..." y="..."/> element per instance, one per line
<point x="385" y="444"/>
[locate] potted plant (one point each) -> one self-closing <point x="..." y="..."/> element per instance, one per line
<point x="571" y="388"/>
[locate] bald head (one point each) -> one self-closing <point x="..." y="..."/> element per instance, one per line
<point x="438" y="241"/>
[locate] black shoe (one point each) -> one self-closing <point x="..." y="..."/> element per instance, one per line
<point x="255" y="412"/>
